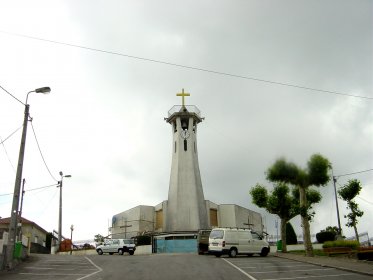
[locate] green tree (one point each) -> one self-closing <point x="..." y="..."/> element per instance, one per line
<point x="315" y="174"/>
<point x="99" y="238"/>
<point x="281" y="202"/>
<point x="348" y="192"/>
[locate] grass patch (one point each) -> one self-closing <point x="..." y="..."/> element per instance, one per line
<point x="353" y="244"/>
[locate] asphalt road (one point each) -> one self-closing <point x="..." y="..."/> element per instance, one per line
<point x="170" y="266"/>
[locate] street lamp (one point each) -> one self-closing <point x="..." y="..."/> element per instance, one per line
<point x="60" y="210"/>
<point x="17" y="185"/>
<point x="71" y="238"/>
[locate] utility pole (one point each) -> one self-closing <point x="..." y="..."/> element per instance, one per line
<point x="60" y="209"/>
<point x="20" y="210"/>
<point x="248" y="222"/>
<point x="336" y="204"/>
<point x="125" y="228"/>
<point x="17" y="186"/>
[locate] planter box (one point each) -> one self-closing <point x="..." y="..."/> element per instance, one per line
<point x="339" y="250"/>
<point x="365" y="253"/>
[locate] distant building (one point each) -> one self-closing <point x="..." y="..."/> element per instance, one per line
<point x="35" y="233"/>
<point x="186" y="210"/>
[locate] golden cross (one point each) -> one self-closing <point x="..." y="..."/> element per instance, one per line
<point x="183" y="94"/>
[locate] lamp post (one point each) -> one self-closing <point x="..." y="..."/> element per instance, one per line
<point x="71" y="238"/>
<point x="17" y="185"/>
<point x="60" y="210"/>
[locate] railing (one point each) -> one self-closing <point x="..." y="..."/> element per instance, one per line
<point x="190" y="108"/>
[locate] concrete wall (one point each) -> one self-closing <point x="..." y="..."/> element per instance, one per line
<point x="132" y="222"/>
<point x="231" y="215"/>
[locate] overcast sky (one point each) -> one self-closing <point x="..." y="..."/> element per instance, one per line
<point x="103" y="123"/>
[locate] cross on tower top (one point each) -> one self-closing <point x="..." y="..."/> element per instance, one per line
<point x="183" y="94"/>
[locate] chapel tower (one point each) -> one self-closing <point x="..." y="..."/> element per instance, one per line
<point x="186" y="209"/>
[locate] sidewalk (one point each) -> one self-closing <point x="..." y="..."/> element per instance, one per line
<point x="343" y="263"/>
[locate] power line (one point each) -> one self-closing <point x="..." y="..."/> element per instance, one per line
<point x="364" y="200"/>
<point x="187" y="67"/>
<point x="354" y="173"/>
<point x="30" y="190"/>
<point x="7" y="155"/>
<point x="37" y="142"/>
<point x="12" y="94"/>
<point x="2" y="141"/>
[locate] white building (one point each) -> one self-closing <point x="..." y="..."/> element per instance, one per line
<point x="186" y="209"/>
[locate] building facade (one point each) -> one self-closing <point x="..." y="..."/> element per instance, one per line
<point x="186" y="209"/>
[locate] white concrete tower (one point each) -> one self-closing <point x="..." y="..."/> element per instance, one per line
<point x="186" y="210"/>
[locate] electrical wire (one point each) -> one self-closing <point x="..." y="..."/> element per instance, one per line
<point x="2" y="141"/>
<point x="364" y="200"/>
<point x="34" y="189"/>
<point x="7" y="155"/>
<point x="12" y="95"/>
<point x="37" y="142"/>
<point x="354" y="173"/>
<point x="186" y="66"/>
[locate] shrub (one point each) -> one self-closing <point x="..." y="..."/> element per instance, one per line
<point x="325" y="236"/>
<point x="342" y="243"/>
<point x="291" y="237"/>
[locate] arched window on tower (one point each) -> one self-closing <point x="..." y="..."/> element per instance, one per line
<point x="185" y="145"/>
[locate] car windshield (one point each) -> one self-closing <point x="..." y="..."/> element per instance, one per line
<point x="217" y="234"/>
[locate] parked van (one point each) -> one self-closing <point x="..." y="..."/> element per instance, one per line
<point x="119" y="246"/>
<point x="236" y="241"/>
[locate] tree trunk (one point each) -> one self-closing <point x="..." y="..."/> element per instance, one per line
<point x="283" y="235"/>
<point x="305" y="223"/>
<point x="356" y="234"/>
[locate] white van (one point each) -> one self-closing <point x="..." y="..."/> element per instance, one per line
<point x="234" y="241"/>
<point x="119" y="246"/>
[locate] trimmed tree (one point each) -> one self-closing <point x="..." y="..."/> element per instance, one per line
<point x="281" y="202"/>
<point x="316" y="174"/>
<point x="348" y="192"/>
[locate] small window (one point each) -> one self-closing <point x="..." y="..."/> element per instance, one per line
<point x="217" y="234"/>
<point x="185" y="145"/>
<point x="175" y="147"/>
<point x="256" y="236"/>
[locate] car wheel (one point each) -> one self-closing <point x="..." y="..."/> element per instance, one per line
<point x="264" y="252"/>
<point x="233" y="252"/>
<point x="120" y="252"/>
<point x="131" y="252"/>
<point x="99" y="251"/>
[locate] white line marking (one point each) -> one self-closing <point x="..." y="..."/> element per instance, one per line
<point x="303" y="265"/>
<point x="279" y="271"/>
<point x="309" y="276"/>
<point x="50" y="274"/>
<point x="239" y="269"/>
<point x="93" y="273"/>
